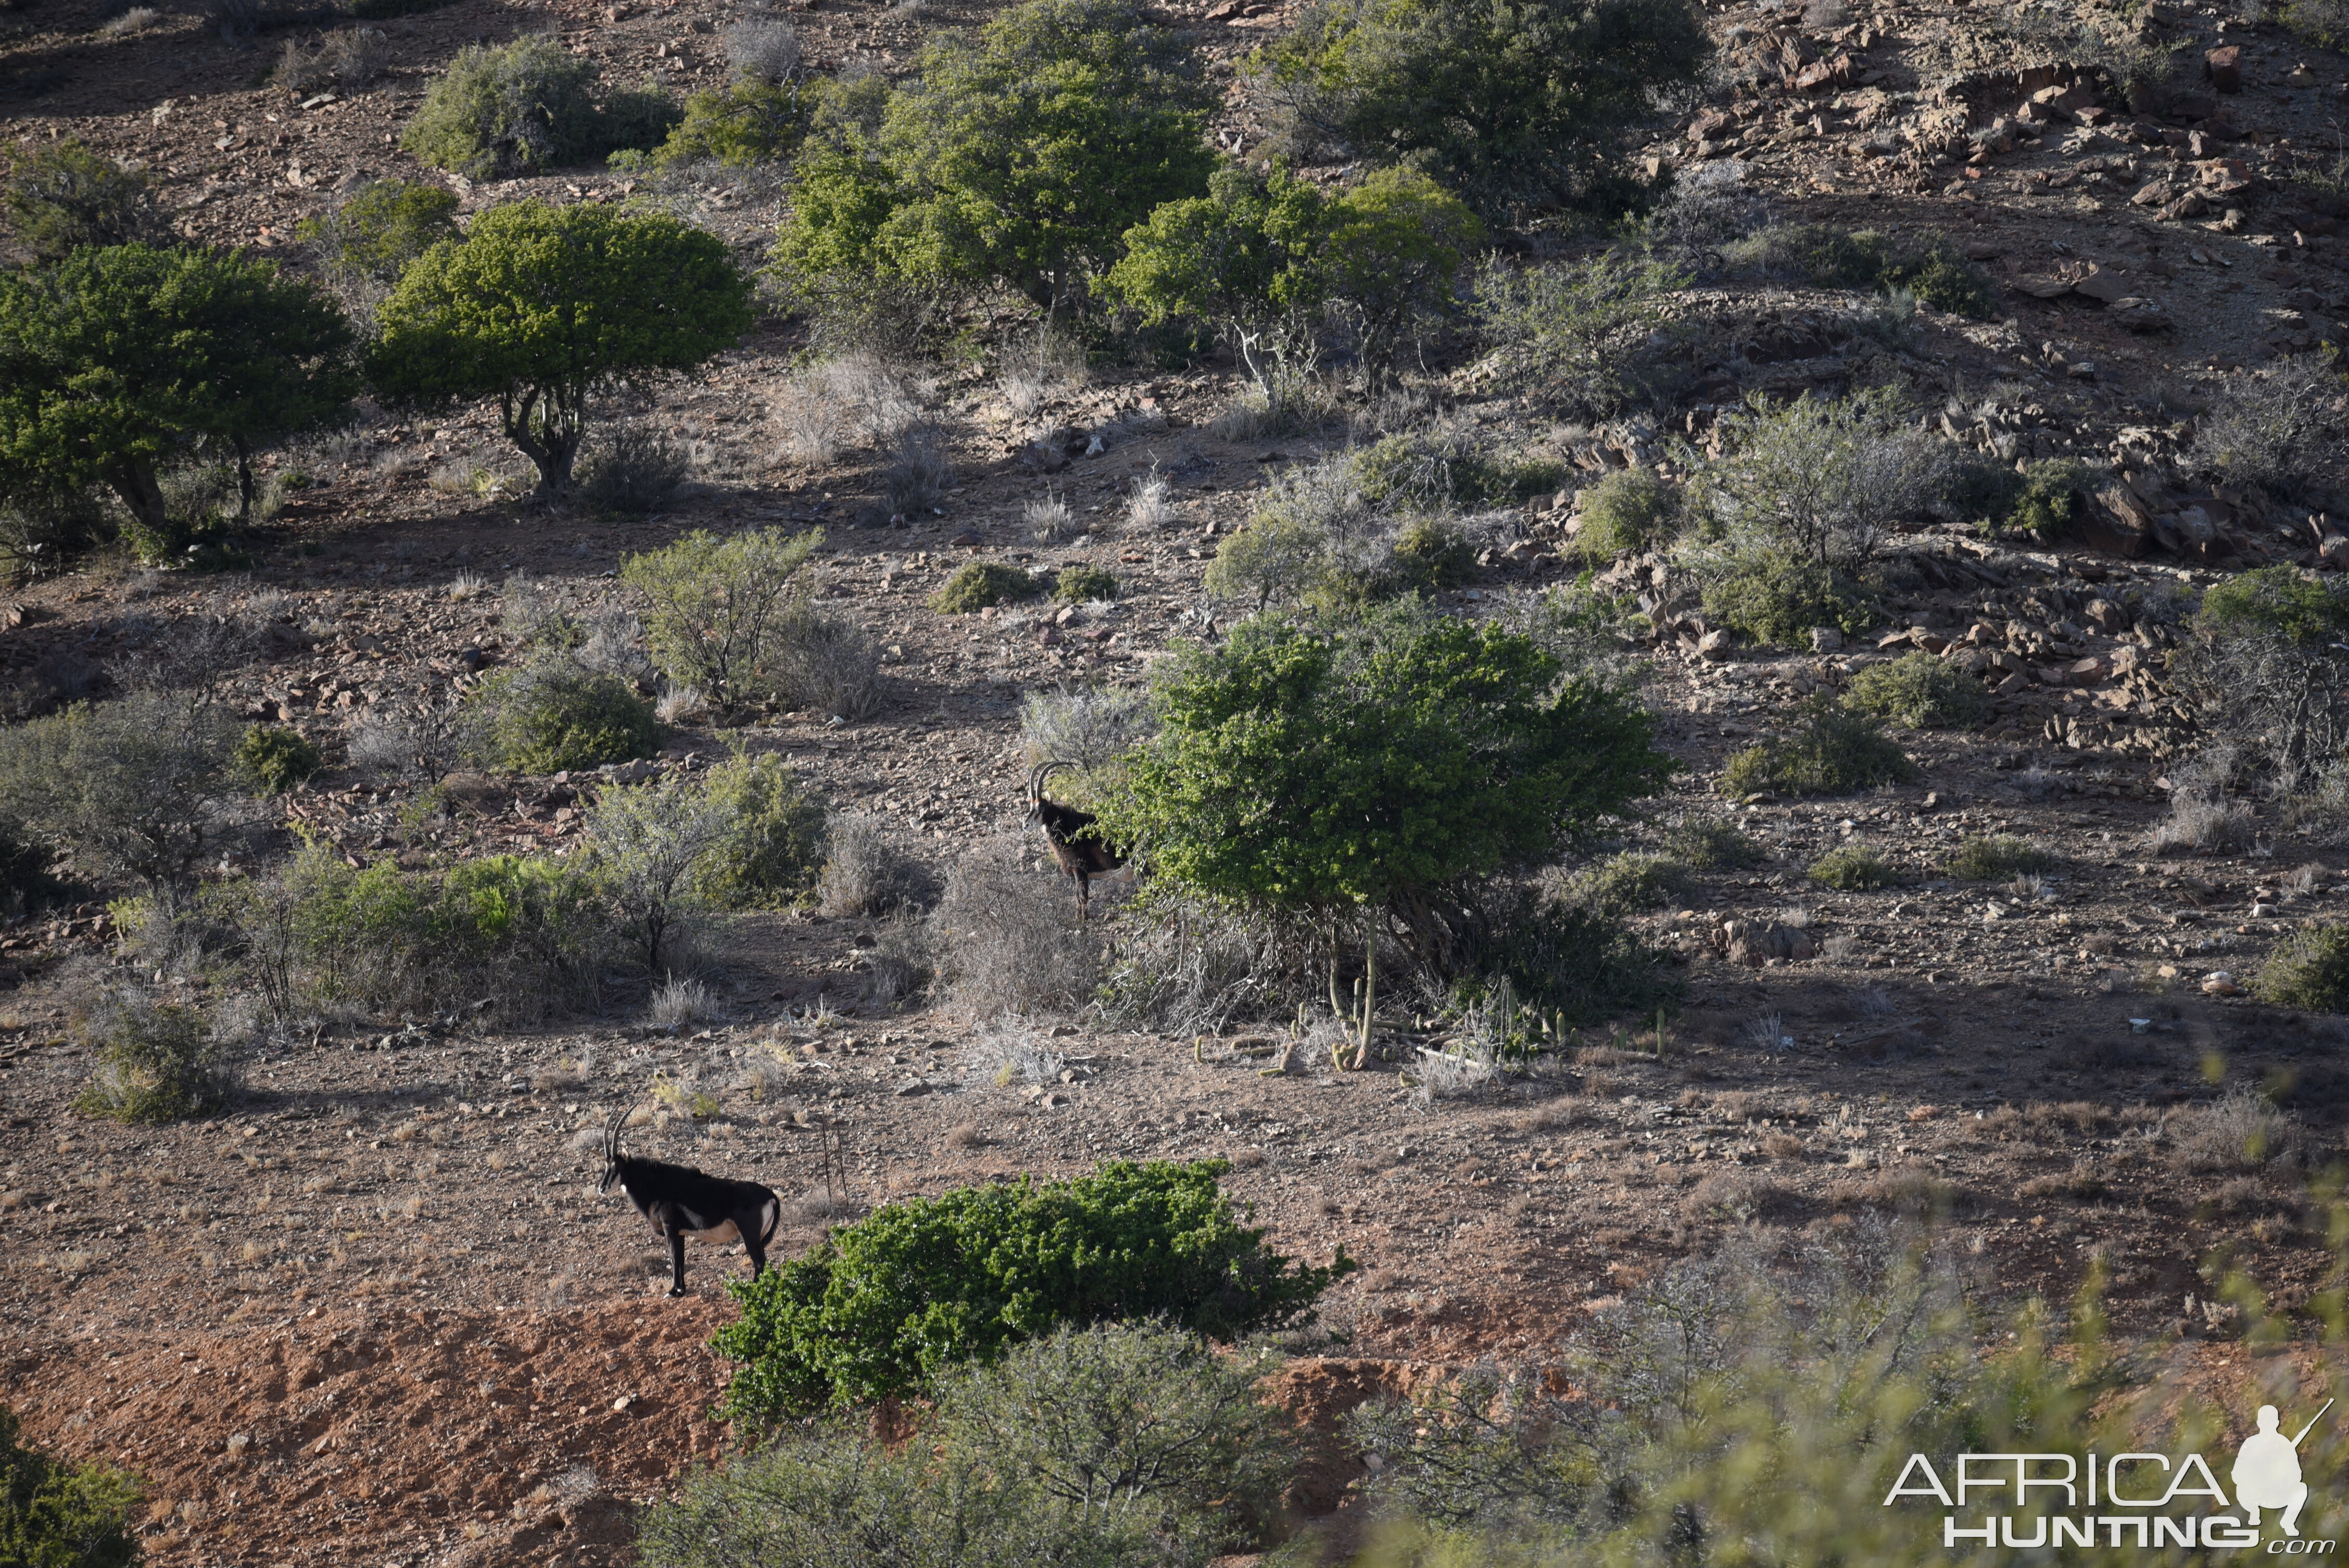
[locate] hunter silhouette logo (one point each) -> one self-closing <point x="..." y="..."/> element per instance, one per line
<point x="2149" y="1501"/>
<point x="2267" y="1471"/>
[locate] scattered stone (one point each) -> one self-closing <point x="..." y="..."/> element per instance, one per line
<point x="2222" y="67"/>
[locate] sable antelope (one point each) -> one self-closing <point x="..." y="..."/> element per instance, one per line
<point x="1075" y="839"/>
<point x="681" y="1201"/>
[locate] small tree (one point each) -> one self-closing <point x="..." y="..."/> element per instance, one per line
<point x="59" y="197"/>
<point x="1244" y="259"/>
<point x="1822" y="477"/>
<point x="1391" y="249"/>
<point x="648" y="843"/>
<point x="716" y="608"/>
<point x="1365" y="762"/>
<point x="117" y="359"/>
<point x="1018" y="162"/>
<point x="58" y="1515"/>
<point x="384" y="226"/>
<point x="127" y="786"/>
<point x="1520" y="108"/>
<point x="538" y="306"/>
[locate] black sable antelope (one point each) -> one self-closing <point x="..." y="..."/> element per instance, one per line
<point x="1074" y="836"/>
<point x="681" y="1201"/>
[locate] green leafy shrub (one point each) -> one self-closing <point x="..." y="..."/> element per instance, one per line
<point x="2049" y="500"/>
<point x="741" y="124"/>
<point x="2308" y="970"/>
<point x="122" y="784"/>
<point x="885" y="1305"/>
<point x="770" y="845"/>
<point x="1627" y="513"/>
<point x="1713" y="846"/>
<point x="156" y="1062"/>
<point x="525" y="106"/>
<point x="59" y="197"/>
<point x="1431" y="554"/>
<point x="947" y="192"/>
<point x="118" y="359"/>
<point x="1083" y="584"/>
<point x="550" y="715"/>
<point x="536" y="934"/>
<point x="381" y="228"/>
<point x="981" y="584"/>
<point x="1993" y="857"/>
<point x="470" y="319"/>
<point x="1852" y="868"/>
<point x="1918" y="691"/>
<point x="1263" y="259"/>
<point x="717" y="608"/>
<point x="650" y="843"/>
<point x="1834" y="751"/>
<point x="58" y="1515"/>
<point x="1621" y="884"/>
<point x="1824" y="477"/>
<point x="2275" y="602"/>
<point x="1777" y="596"/>
<point x="2282" y="429"/>
<point x="1573" y="335"/>
<point x="1520" y="114"/>
<point x="1942" y="279"/>
<point x="275" y="759"/>
<point x="1831" y="258"/>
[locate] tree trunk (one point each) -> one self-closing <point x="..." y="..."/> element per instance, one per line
<point x="135" y="483"/>
<point x="244" y="479"/>
<point x="545" y="423"/>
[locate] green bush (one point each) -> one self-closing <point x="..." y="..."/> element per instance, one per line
<point x="381" y="228"/>
<point x="2047" y="504"/>
<point x="1852" y="868"/>
<point x="2282" y="429"/>
<point x="1942" y="280"/>
<point x="550" y="717"/>
<point x="1823" y="478"/>
<point x="274" y="761"/>
<point x="847" y="1502"/>
<point x="1777" y="596"/>
<point x="526" y="106"/>
<point x="1918" y="691"/>
<point x="717" y="608"/>
<point x="741" y="124"/>
<point x="771" y="848"/>
<point x="1834" y="752"/>
<point x="122" y="784"/>
<point x="1621" y="884"/>
<point x="156" y="1062"/>
<point x="981" y="584"/>
<point x="1520" y="113"/>
<point x="1629" y="512"/>
<point x="1429" y="554"/>
<point x="1263" y="259"/>
<point x="2308" y="970"/>
<point x="58" y="1515"/>
<point x="59" y="197"/>
<point x="2275" y="602"/>
<point x="1834" y="259"/>
<point x="470" y="319"/>
<point x="1713" y="846"/>
<point x="952" y="191"/>
<point x="321" y="935"/>
<point x="885" y="1305"/>
<point x="1992" y="857"/>
<point x="1573" y="335"/>
<point x="114" y="362"/>
<point x="1452" y="469"/>
<point x="1083" y="584"/>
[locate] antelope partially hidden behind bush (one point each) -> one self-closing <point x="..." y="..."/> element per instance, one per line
<point x="1074" y="837"/>
<point x="681" y="1201"/>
